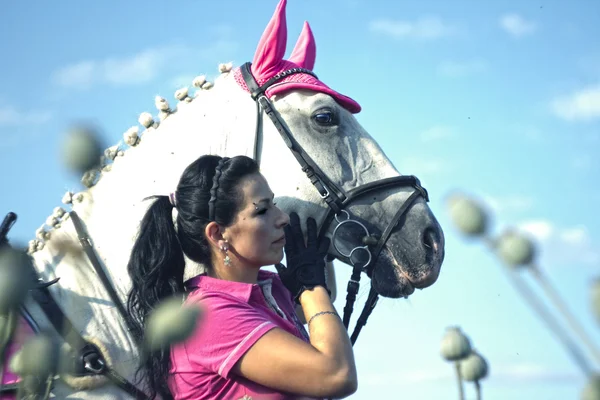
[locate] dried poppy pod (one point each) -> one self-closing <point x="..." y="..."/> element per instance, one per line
<point x="515" y="249"/>
<point x="455" y="345"/>
<point x="15" y="277"/>
<point x="468" y="216"/>
<point x="473" y="368"/>
<point x="39" y="356"/>
<point x="81" y="150"/>
<point x="596" y="298"/>
<point x="170" y="323"/>
<point x="37" y="363"/>
<point x="591" y="391"/>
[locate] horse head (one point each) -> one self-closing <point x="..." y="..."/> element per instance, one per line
<point x="347" y="161"/>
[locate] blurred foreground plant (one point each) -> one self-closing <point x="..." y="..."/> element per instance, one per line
<point x="591" y="391"/>
<point x="37" y="364"/>
<point x="81" y="149"/>
<point x="518" y="252"/>
<point x="170" y="323"/>
<point x="473" y="369"/>
<point x="15" y="281"/>
<point x="454" y="348"/>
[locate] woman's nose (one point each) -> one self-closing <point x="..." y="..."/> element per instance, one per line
<point x="284" y="219"/>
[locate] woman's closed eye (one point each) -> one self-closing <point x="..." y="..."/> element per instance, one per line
<point x="264" y="210"/>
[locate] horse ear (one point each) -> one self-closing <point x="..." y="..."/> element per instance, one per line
<point x="271" y="48"/>
<point x="305" y="51"/>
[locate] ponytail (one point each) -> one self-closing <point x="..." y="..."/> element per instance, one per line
<point x="208" y="190"/>
<point x="156" y="269"/>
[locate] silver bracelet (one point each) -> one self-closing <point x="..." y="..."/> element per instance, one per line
<point x="321" y="313"/>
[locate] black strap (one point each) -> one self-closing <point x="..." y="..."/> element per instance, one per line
<point x="258" y="135"/>
<point x="7" y="223"/>
<point x="9" y="388"/>
<point x="388" y="230"/>
<point x="352" y="292"/>
<point x="333" y="196"/>
<point x="88" y="359"/>
<point x="86" y="243"/>
<point x="364" y="315"/>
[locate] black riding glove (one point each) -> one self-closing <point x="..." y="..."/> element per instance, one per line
<point x="305" y="263"/>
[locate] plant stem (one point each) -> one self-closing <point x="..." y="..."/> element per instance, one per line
<point x="460" y="385"/>
<point x="546" y="317"/>
<point x="562" y="308"/>
<point x="478" y="390"/>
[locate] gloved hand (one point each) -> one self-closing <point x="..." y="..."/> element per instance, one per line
<point x="305" y="263"/>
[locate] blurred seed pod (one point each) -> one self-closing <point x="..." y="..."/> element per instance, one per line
<point x="468" y="216"/>
<point x="8" y="324"/>
<point x="473" y="368"/>
<point x="171" y="323"/>
<point x="596" y="298"/>
<point x="515" y="249"/>
<point x="38" y="357"/>
<point x="455" y="345"/>
<point x="16" y="270"/>
<point x="591" y="391"/>
<point x="81" y="149"/>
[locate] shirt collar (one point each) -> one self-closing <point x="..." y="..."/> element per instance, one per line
<point x="241" y="290"/>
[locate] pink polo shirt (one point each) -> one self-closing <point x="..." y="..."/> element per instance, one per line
<point x="236" y="316"/>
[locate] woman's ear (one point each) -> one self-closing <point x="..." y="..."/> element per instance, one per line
<point x="213" y="234"/>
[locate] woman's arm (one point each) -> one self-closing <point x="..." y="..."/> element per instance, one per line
<point x="323" y="368"/>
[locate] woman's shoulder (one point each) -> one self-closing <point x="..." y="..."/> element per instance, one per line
<point x="211" y="298"/>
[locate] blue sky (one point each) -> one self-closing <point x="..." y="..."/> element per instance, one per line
<point x="499" y="100"/>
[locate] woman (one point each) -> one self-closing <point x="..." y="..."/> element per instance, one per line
<point x="250" y="344"/>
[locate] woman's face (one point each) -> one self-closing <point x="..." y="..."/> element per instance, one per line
<point x="256" y="237"/>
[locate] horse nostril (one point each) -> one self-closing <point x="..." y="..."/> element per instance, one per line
<point x="430" y="238"/>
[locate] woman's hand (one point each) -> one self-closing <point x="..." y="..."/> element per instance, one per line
<point x="305" y="263"/>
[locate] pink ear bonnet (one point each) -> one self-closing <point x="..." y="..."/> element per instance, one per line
<point x="268" y="61"/>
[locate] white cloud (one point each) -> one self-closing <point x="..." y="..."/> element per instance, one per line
<point x="435" y="133"/>
<point x="509" y="203"/>
<point x="455" y="69"/>
<point x="80" y="74"/>
<point x="562" y="245"/>
<point x="144" y="66"/>
<point x="11" y="116"/>
<point x="516" y="25"/>
<point x="425" y="28"/>
<point x="580" y="105"/>
<point x="139" y="68"/>
<point x="541" y="230"/>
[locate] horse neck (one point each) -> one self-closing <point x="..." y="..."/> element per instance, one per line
<point x="112" y="209"/>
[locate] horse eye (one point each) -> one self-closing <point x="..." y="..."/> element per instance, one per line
<point x="324" y="118"/>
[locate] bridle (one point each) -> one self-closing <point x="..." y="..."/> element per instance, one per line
<point x="335" y="197"/>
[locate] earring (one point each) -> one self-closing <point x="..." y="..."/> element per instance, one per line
<point x="227" y="260"/>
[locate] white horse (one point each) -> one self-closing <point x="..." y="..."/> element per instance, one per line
<point x="390" y="223"/>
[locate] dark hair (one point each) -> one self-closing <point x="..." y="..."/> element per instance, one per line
<point x="157" y="263"/>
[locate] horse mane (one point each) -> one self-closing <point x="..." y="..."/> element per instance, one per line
<point x="147" y="161"/>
